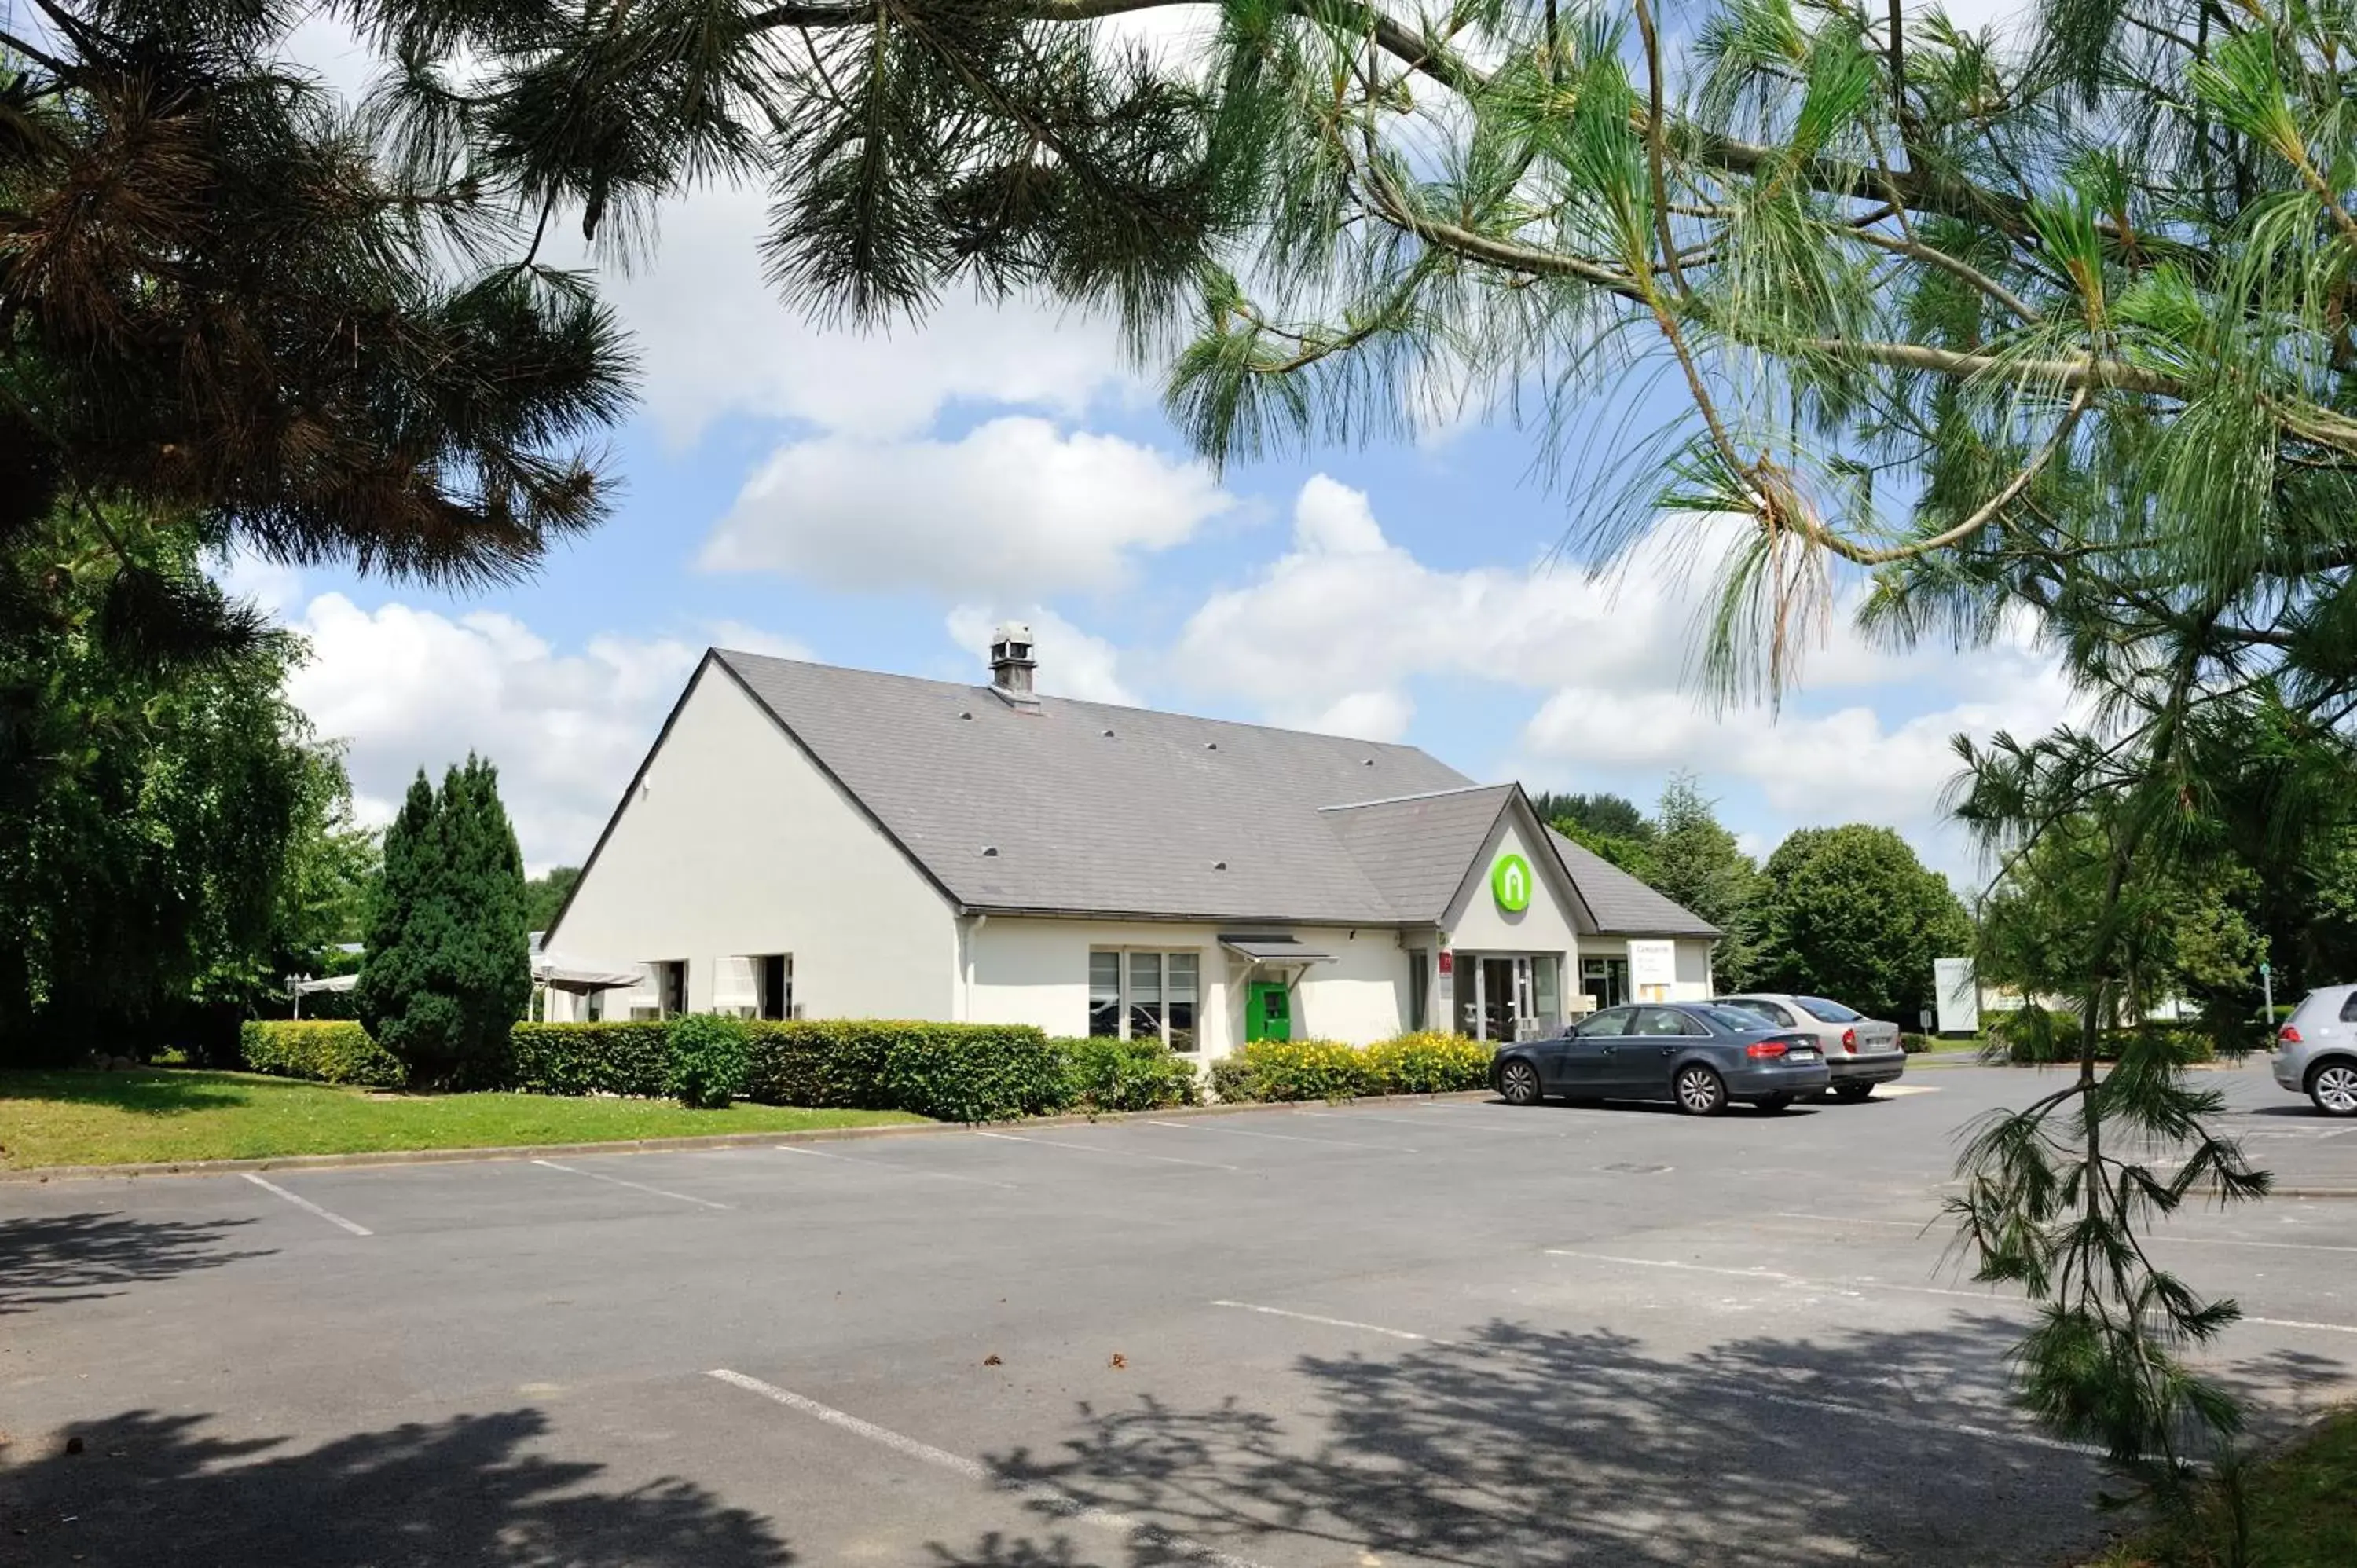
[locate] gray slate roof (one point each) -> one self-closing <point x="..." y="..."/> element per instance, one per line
<point x="1622" y="904"/>
<point x="1417" y="850"/>
<point x="1139" y="821"/>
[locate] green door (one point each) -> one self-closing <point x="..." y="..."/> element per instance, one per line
<point x="1268" y="1012"/>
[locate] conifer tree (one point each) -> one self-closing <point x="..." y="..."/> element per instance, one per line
<point x="449" y="971"/>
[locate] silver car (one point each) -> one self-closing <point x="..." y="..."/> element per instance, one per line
<point x="1861" y="1051"/>
<point x="2315" y="1050"/>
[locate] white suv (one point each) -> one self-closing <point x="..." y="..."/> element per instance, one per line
<point x="2315" y="1050"/>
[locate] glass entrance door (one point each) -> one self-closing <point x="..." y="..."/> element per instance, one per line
<point x="1605" y="979"/>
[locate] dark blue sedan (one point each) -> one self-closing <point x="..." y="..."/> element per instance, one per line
<point x="1699" y="1057"/>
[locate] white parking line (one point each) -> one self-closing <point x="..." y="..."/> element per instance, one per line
<point x="1425" y="1120"/>
<point x="1115" y="1153"/>
<point x="306" y="1205"/>
<point x="2162" y="1238"/>
<point x="897" y="1170"/>
<point x="633" y="1186"/>
<point x="1686" y="1384"/>
<point x="1859" y="1287"/>
<point x="1846" y="1287"/>
<point x="1064" y="1503"/>
<point x="1285" y="1137"/>
<point x="1336" y="1322"/>
<point x="2267" y="1246"/>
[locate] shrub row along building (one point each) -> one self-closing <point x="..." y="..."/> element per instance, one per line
<point x="806" y="841"/>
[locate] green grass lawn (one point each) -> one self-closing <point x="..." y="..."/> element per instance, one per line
<point x="2301" y="1505"/>
<point x="117" y="1118"/>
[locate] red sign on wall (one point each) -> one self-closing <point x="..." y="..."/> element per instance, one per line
<point x="1447" y="961"/>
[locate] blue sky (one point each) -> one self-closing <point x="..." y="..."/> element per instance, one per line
<point x="878" y="501"/>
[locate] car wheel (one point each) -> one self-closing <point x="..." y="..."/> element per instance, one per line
<point x="1518" y="1080"/>
<point x="2334" y="1086"/>
<point x="1701" y="1093"/>
<point x="1851" y="1094"/>
<point x="1774" y="1103"/>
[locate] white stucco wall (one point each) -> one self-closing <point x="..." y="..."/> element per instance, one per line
<point x="1030" y="970"/>
<point x="1475" y="922"/>
<point x="735" y="843"/>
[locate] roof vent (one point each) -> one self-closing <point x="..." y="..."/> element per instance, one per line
<point x="965" y="713"/>
<point x="1367" y="762"/>
<point x="1219" y="865"/>
<point x="990" y="852"/>
<point x="1011" y="664"/>
<point x="1108" y="735"/>
<point x="1210" y="745"/>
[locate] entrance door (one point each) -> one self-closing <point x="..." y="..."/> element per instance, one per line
<point x="1268" y="1011"/>
<point x="1500" y="994"/>
<point x="1606" y="979"/>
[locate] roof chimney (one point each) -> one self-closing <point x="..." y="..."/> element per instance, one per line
<point x="1011" y="664"/>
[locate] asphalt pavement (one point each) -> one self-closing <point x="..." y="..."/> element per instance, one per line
<point x="1407" y="1333"/>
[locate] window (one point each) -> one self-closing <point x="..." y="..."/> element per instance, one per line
<point x="662" y="992"/>
<point x="1419" y="989"/>
<point x="1547" y="1006"/>
<point x="1104" y="993"/>
<point x="593" y="1006"/>
<point x="2349" y="1009"/>
<point x="1830" y="1012"/>
<point x="1145" y="996"/>
<point x="1181" y="1017"/>
<point x="774" y="976"/>
<point x="1663" y="1021"/>
<point x="1610" y="1025"/>
<point x="1767" y="1009"/>
<point x="1140" y="995"/>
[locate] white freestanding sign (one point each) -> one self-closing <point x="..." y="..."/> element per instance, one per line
<point x="1958" y="994"/>
<point x="1652" y="968"/>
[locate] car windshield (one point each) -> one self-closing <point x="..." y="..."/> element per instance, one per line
<point x="1733" y="1016"/>
<point x="1830" y="1012"/>
<point x="1747" y="1004"/>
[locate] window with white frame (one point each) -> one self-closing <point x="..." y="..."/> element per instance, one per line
<point x="1141" y="994"/>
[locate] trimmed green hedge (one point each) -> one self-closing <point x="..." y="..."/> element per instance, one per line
<point x="326" y="1050"/>
<point x="951" y="1072"/>
<point x="1427" y="1063"/>
<point x="1106" y="1074"/>
<point x="620" y="1057"/>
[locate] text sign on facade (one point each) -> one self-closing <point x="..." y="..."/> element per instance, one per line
<point x="1652" y="968"/>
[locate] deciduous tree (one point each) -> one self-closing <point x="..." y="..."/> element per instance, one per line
<point x="1852" y="914"/>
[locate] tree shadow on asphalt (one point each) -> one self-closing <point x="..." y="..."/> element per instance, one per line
<point x="49" y="1260"/>
<point x="1530" y="1446"/>
<point x="147" y="1489"/>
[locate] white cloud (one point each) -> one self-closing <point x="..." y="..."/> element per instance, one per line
<point x="409" y="688"/>
<point x="1328" y="635"/>
<point x="1346" y="610"/>
<point x="715" y="337"/>
<point x="1072" y="664"/>
<point x="1014" y="506"/>
<point x="1363" y="716"/>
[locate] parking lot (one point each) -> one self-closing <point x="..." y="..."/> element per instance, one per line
<point x="1417" y="1332"/>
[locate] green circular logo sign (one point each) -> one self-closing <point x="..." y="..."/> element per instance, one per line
<point x="1509" y="883"/>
